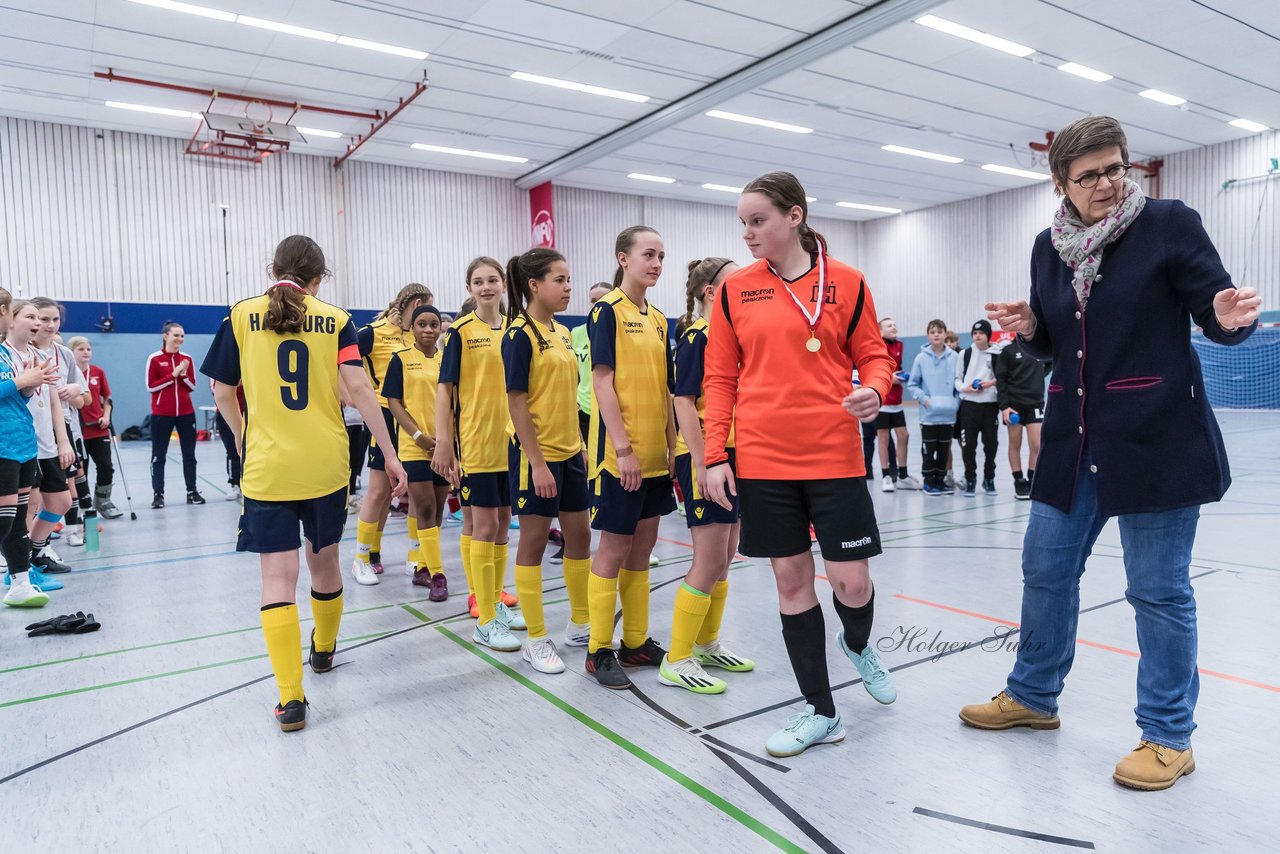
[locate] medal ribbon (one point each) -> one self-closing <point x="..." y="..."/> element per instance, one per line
<point x="811" y="319"/>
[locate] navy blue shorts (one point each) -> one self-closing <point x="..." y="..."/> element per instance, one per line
<point x="617" y="511"/>
<point x="776" y="515"/>
<point x="377" y="461"/>
<point x="698" y="510"/>
<point x="487" y="489"/>
<point x="573" y="495"/>
<point x="272" y="526"/>
<point x="419" y="471"/>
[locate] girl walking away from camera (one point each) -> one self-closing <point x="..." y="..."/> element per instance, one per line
<point x="547" y="477"/>
<point x="288" y="348"/>
<point x="700" y="601"/>
<point x="95" y="419"/>
<point x="631" y="445"/>
<point x="471" y="450"/>
<point x="410" y="390"/>
<point x="170" y="380"/>
<point x="793" y="327"/>
<point x="23" y="376"/>
<point x="387" y="334"/>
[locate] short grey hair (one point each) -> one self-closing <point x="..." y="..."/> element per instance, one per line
<point x="1081" y="137"/>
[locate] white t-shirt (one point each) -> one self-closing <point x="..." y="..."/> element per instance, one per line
<point x="979" y="369"/>
<point x="40" y="406"/>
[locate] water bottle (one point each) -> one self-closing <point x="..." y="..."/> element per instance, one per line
<point x="91" y="530"/>
<point x="1014" y="418"/>
<point x="977" y="384"/>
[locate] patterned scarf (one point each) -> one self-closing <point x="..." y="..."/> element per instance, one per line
<point x="1080" y="246"/>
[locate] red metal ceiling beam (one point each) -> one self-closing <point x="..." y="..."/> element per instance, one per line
<point x="112" y="77"/>
<point x="380" y="124"/>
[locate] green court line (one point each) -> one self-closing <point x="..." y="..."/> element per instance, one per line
<point x="412" y="610"/>
<point x="164" y="675"/>
<point x="735" y="812"/>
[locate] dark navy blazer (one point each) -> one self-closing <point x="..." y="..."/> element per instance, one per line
<point x="1126" y="382"/>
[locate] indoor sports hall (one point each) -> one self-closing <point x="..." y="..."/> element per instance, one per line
<point x="1084" y="193"/>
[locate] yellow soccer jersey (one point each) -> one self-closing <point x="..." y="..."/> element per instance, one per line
<point x="295" y="442"/>
<point x="472" y="362"/>
<point x="411" y="378"/>
<point x="378" y="341"/>
<point x="634" y="344"/>
<point x="548" y="371"/>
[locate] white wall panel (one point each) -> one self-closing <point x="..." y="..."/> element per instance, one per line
<point x="587" y="225"/>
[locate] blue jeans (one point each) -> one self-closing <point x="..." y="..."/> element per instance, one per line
<point x="1157" y="560"/>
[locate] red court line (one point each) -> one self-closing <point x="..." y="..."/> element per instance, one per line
<point x="1240" y="680"/>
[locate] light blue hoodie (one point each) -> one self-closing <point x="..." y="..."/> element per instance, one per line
<point x="933" y="379"/>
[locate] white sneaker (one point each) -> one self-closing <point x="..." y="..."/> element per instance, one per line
<point x="496" y="636"/>
<point x="75" y="535"/>
<point x="908" y="482"/>
<point x="410" y="567"/>
<point x="949" y="481"/>
<point x="653" y="561"/>
<point x="363" y="573"/>
<point x="48" y="551"/>
<point x="23" y="595"/>
<point x="886" y="485"/>
<point x="688" y="674"/>
<point x="577" y="634"/>
<point x="541" y="654"/>
<point x="233" y="495"/>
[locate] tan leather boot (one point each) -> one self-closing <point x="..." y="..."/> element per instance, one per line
<point x="1152" y="767"/>
<point x="1004" y="712"/>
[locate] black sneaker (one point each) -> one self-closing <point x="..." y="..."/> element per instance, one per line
<point x="48" y="564"/>
<point x="989" y="486"/>
<point x="603" y="664"/>
<point x="292" y="715"/>
<point x="321" y="662"/>
<point x="558" y="557"/>
<point x="648" y="654"/>
<point x="1022" y="489"/>
<point x="158" y="501"/>
<point x="194" y="497"/>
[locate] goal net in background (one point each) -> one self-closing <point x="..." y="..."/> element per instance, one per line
<point x="1246" y="376"/>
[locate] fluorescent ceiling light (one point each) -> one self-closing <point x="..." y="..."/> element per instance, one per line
<point x="1019" y="173"/>
<point x="579" y="87"/>
<point x="942" y="25"/>
<point x="752" y="120"/>
<point x="160" y="111"/>
<point x="915" y="152"/>
<point x="327" y="134"/>
<point x="723" y="188"/>
<point x="858" y="206"/>
<point x="657" y="179"/>
<point x="810" y="199"/>
<point x="349" y="41"/>
<point x="264" y="24"/>
<point x="443" y="149"/>
<point x="1245" y="124"/>
<point x="1085" y="71"/>
<point x="1163" y="97"/>
<point x="202" y="11"/>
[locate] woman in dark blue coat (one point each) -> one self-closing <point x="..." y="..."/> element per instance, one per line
<point x="1128" y="432"/>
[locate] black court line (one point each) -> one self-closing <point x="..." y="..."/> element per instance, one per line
<point x="801" y="823"/>
<point x="999" y="828"/>
<point x="673" y="718"/>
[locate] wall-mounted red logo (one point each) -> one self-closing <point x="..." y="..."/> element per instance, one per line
<point x="543" y="232"/>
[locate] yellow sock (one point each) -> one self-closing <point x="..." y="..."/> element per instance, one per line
<point x="413" y="559"/>
<point x="575" y="581"/>
<point x="529" y="588"/>
<point x="326" y="608"/>
<point x="634" y="589"/>
<point x="464" y="545"/>
<point x="284" y="644"/>
<point x="429" y="550"/>
<point x="602" y="596"/>
<point x="690" y="613"/>
<point x="376" y="542"/>
<point x="711" y="625"/>
<point x="366" y="533"/>
<point x="500" y="554"/>
<point x="482" y="570"/>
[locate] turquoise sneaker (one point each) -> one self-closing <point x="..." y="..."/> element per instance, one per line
<point x="38" y="580"/>
<point x="875" y="678"/>
<point x="496" y="636"/>
<point x="513" y="621"/>
<point x="803" y="731"/>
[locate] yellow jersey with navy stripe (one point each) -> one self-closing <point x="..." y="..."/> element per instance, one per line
<point x="633" y="342"/>
<point x="690" y="351"/>
<point x="295" y="441"/>
<point x="378" y="342"/>
<point x="472" y="363"/>
<point x="411" y="378"/>
<point x="539" y="360"/>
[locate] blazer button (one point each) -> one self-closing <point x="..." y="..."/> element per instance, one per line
<point x="1093" y="469"/>
<point x="1079" y="392"/>
<point x="1079" y="354"/>
<point x="1077" y="315"/>
<point x="1080" y="430"/>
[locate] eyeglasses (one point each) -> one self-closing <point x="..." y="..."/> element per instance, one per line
<point x="1089" y="180"/>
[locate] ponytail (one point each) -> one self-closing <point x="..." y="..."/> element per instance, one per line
<point x="286" y="308"/>
<point x="621" y="246"/>
<point x="810" y="240"/>
<point x="532" y="265"/>
<point x="297" y="262"/>
<point x="702" y="272"/>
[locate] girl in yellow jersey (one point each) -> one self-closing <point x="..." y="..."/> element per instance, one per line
<point x="548" y="477"/>
<point x="699" y="606"/>
<point x="471" y="449"/>
<point x="387" y="335"/>
<point x="410" y="389"/>
<point x="288" y="349"/>
<point x="631" y="442"/>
